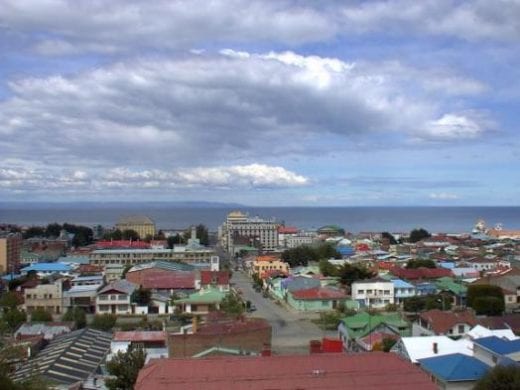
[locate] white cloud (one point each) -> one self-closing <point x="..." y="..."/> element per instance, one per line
<point x="443" y="196"/>
<point x="454" y="127"/>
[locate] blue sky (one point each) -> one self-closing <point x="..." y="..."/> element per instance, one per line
<point x="261" y="102"/>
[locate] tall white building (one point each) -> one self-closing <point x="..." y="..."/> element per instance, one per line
<point x="240" y="226"/>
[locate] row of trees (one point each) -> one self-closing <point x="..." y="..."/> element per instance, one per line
<point x="301" y="255"/>
<point x="83" y="235"/>
<point x="347" y="273"/>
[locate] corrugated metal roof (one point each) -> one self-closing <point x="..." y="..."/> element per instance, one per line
<point x="455" y="367"/>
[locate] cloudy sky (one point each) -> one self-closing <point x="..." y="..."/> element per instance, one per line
<point x="261" y="102"/>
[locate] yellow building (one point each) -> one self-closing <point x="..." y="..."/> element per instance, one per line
<point x="143" y="225"/>
<point x="263" y="265"/>
<point x="10" y="252"/>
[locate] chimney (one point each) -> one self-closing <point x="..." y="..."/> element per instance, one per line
<point x="194" y="324"/>
<point x="435" y="348"/>
<point x="315" y="346"/>
<point x="266" y="350"/>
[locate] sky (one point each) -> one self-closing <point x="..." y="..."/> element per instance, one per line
<point x="263" y="103"/>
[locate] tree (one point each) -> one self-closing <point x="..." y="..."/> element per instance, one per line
<point x="391" y="239"/>
<point x="141" y="296"/>
<point x="9" y="300"/>
<point x="232" y="304"/>
<point x="388" y="343"/>
<point x="417" y="235"/>
<point x="500" y="378"/>
<point x="53" y="230"/>
<point x="76" y="314"/>
<point x="486" y="299"/>
<point x="104" y="322"/>
<point x="174" y="240"/>
<point x="34" y="231"/>
<point x="115" y="235"/>
<point x="328" y="269"/>
<point x="301" y="255"/>
<point x="418" y="263"/>
<point x="349" y="273"/>
<point x="41" y="315"/>
<point x="124" y="367"/>
<point x="15" y="318"/>
<point x="129" y="234"/>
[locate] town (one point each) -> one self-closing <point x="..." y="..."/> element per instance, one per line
<point x="78" y="304"/>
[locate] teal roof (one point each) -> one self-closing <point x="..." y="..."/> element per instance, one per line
<point x="363" y="323"/>
<point x="210" y="295"/>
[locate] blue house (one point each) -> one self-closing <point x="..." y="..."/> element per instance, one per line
<point x="402" y="290"/>
<point x="45" y="269"/>
<point x="455" y="371"/>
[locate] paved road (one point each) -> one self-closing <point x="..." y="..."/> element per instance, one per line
<point x="292" y="331"/>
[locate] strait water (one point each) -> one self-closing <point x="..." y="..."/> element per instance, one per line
<point x="352" y="219"/>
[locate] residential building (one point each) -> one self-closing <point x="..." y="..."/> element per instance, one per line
<point x="353" y="328"/>
<point x="421" y="347"/>
<point x="141" y="224"/>
<point x="115" y="298"/>
<point x="10" y="252"/>
<point x="259" y="232"/>
<point x="221" y="335"/>
<point x="510" y="285"/>
<point x="45" y="269"/>
<point x="201" y="302"/>
<point x="491" y="350"/>
<point x="154" y="343"/>
<point x="218" y="279"/>
<point x="331" y="371"/>
<point x="449" y="323"/>
<point x="201" y="257"/>
<point x="264" y="264"/>
<point x="403" y="290"/>
<point x="68" y="359"/>
<point x="375" y="292"/>
<point x="455" y="371"/>
<point x="455" y="289"/>
<point x="138" y="273"/>
<point x="319" y="299"/>
<point x="47" y="296"/>
<point x="49" y="330"/>
<point x="83" y="292"/>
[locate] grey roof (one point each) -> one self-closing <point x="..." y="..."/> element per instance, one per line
<point x="69" y="358"/>
<point x="302" y="283"/>
<point x="47" y="330"/>
<point x="119" y="285"/>
<point x="135" y="220"/>
<point x="165" y="265"/>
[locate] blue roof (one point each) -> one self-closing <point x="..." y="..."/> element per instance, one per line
<point x="47" y="267"/>
<point x="447" y="264"/>
<point x="398" y="283"/>
<point x="498" y="345"/>
<point x="455" y="367"/>
<point x="345" y="250"/>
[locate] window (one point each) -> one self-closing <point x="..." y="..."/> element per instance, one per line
<point x="461" y="328"/>
<point x="369" y="291"/>
<point x="103" y="297"/>
<point x="324" y="303"/>
<point x="361" y="291"/>
<point x="123" y="297"/>
<point x="387" y="292"/>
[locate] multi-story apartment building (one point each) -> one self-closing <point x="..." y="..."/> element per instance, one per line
<point x="10" y="252"/>
<point x="376" y="292"/>
<point x="143" y="225"/>
<point x="257" y="231"/>
<point x="45" y="296"/>
<point x="105" y="257"/>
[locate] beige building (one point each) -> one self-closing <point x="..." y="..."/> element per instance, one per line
<point x="10" y="252"/>
<point x="124" y="257"/>
<point x="143" y="225"/>
<point x="45" y="296"/>
<point x="260" y="232"/>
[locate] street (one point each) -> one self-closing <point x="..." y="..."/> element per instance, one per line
<point x="291" y="330"/>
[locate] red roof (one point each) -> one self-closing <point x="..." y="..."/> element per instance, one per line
<point x="375" y="370"/>
<point x="420" y="273"/>
<point x="232" y="326"/>
<point x="442" y="321"/>
<point x="318" y="293"/>
<point x="287" y="230"/>
<point x="161" y="280"/>
<point x="220" y="278"/>
<point x="122" y="244"/>
<point x="140" y="336"/>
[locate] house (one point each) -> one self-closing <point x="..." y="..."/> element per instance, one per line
<point x="48" y="330"/>
<point x="318" y="299"/>
<point x="69" y="358"/>
<point x="46" y="296"/>
<point x="438" y="322"/>
<point x="457" y="291"/>
<point x="375" y="292"/>
<point x="420" y="273"/>
<point x="115" y="298"/>
<point x="263" y="264"/>
<point x="201" y="302"/>
<point x="425" y="288"/>
<point x="331" y="371"/>
<point x="402" y="290"/>
<point x="352" y="328"/>
<point x="454" y="371"/>
<point x="83" y="292"/>
<point x="480" y="331"/>
<point x="154" y="343"/>
<point x="138" y="273"/>
<point x="249" y="335"/>
<point x="46" y="269"/>
<point x="219" y="279"/>
<point x="510" y="321"/>
<point x="491" y="350"/>
<point x="421" y="347"/>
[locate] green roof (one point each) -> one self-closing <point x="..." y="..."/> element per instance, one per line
<point x="209" y="295"/>
<point x="448" y="284"/>
<point x="363" y="323"/>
